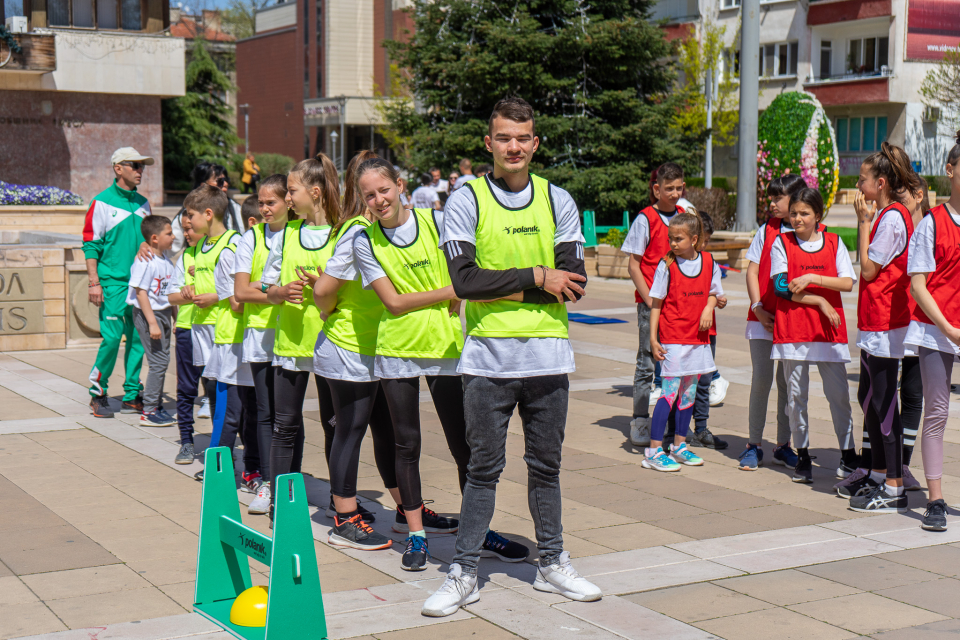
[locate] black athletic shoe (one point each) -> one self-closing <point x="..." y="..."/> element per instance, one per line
<point x="849" y="461"/>
<point x="415" y="555"/>
<point x="100" y="407"/>
<point x="878" y="501"/>
<point x="186" y="455"/>
<point x="706" y="439"/>
<point x="935" y="517"/>
<point x="356" y="534"/>
<point x="862" y="487"/>
<point x="804" y="470"/>
<point x="432" y="522"/>
<point x="496" y="546"/>
<point x="364" y="513"/>
<point x="132" y="406"/>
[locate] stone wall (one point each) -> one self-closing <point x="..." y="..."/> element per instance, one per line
<point x="33" y="297"/>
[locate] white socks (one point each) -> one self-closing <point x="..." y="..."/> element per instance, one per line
<point x="878" y="476"/>
<point x="893" y="491"/>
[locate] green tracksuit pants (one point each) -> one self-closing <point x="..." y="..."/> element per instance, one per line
<point x="116" y="321"/>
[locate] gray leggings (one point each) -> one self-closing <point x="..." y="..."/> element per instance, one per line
<point x="936" y="369"/>
<point x="760" y="393"/>
<point x="835" y="388"/>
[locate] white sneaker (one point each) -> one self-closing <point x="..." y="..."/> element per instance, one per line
<point x="204" y="410"/>
<point x="718" y="391"/>
<point x="261" y="504"/>
<point x="458" y="590"/>
<point x="562" y="578"/>
<point x="655" y="394"/>
<point x="640" y="432"/>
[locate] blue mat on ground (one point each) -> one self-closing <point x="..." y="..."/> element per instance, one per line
<point x="585" y="319"/>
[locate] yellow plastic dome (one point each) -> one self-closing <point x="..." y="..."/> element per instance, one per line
<point x="250" y="608"/>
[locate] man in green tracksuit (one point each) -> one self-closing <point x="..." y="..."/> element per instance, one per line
<point x="111" y="237"/>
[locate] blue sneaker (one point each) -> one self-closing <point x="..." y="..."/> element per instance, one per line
<point x="785" y="456"/>
<point x="683" y="455"/>
<point x="751" y="458"/>
<point x="660" y="461"/>
<point x="496" y="546"/>
<point x="414" y="558"/>
<point x="155" y="419"/>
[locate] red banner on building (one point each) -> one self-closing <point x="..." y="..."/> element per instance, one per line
<point x="933" y="28"/>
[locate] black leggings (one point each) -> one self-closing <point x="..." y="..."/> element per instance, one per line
<point x="403" y="398"/>
<point x="286" y="451"/>
<point x="263" y="386"/>
<point x="877" y="393"/>
<point x="357" y="404"/>
<point x="911" y="410"/>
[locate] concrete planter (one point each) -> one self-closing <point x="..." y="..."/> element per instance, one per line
<point x="611" y="262"/>
<point x="51" y="218"/>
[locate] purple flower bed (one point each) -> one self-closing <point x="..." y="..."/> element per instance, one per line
<point x="19" y="194"/>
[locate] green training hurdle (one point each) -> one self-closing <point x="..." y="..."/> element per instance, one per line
<point x="295" y="601"/>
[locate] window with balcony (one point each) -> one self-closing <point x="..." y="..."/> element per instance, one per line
<point x="826" y="58"/>
<point x="867" y="56"/>
<point x="860" y="134"/>
<point x="778" y="60"/>
<point x="731" y="4"/>
<point x="95" y="14"/>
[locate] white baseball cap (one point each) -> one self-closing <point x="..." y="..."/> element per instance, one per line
<point x="129" y="154"/>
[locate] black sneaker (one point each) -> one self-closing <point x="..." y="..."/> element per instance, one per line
<point x="132" y="406"/>
<point x="100" y="407"/>
<point x="356" y="534"/>
<point x="186" y="454"/>
<point x="706" y="439"/>
<point x="862" y="487"/>
<point x="415" y="555"/>
<point x="496" y="546"/>
<point x="879" y="501"/>
<point x="849" y="461"/>
<point x="935" y="517"/>
<point x="366" y="515"/>
<point x="803" y="473"/>
<point x="432" y="522"/>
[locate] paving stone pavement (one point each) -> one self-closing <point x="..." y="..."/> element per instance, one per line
<point x="99" y="527"/>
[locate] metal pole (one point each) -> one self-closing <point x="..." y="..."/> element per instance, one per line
<point x="749" y="114"/>
<point x="246" y="128"/>
<point x="708" y="169"/>
<point x="343" y="134"/>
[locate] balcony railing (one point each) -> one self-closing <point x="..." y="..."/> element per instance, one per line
<point x="883" y="72"/>
<point x="38" y="55"/>
<point x="674" y="11"/>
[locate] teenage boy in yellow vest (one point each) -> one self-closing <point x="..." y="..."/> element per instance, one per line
<point x="515" y="253"/>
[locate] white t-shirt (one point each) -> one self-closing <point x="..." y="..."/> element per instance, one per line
<point x="370" y="271"/>
<point x="889" y="241"/>
<point x="257" y="343"/>
<point x="685" y="359"/>
<point x="312" y="238"/>
<point x="229" y="364"/>
<point x="755" y="330"/>
<point x="638" y="236"/>
<point x="424" y="197"/>
<point x="811" y="351"/>
<point x="154" y="277"/>
<point x="462" y="180"/>
<point x="512" y="357"/>
<point x="920" y="259"/>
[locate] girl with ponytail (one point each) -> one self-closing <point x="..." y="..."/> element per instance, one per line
<point x="883" y="314"/>
<point x="934" y="270"/>
<point x="684" y="293"/>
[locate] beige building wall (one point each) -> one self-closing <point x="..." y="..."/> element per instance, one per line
<point x="349" y="56"/>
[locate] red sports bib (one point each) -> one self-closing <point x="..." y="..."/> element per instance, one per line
<point x="795" y="322"/>
<point x="686" y="298"/>
<point x="944" y="283"/>
<point x="657" y="248"/>
<point x="885" y="302"/>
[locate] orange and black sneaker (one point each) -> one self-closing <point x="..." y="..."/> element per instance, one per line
<point x="432" y="522"/>
<point x="356" y="534"/>
<point x="132" y="406"/>
<point x="100" y="406"/>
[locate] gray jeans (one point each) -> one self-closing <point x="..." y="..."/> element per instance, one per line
<point x="835" y="388"/>
<point x="760" y="393"/>
<point x="157" y="353"/>
<point x="488" y="404"/>
<point x="643" y="376"/>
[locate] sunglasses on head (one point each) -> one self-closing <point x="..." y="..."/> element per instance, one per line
<point x="136" y="166"/>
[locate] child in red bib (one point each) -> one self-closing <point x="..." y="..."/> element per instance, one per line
<point x="810" y="268"/>
<point x="684" y="296"/>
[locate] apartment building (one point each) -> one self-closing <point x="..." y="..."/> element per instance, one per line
<point x="864" y="60"/>
<point x="311" y="74"/>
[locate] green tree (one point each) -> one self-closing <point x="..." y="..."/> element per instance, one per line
<point x="196" y="126"/>
<point x="941" y="88"/>
<point x="595" y="73"/>
<point x="239" y="18"/>
<point x="697" y="58"/>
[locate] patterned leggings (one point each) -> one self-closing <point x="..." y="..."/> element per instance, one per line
<point x="680" y="391"/>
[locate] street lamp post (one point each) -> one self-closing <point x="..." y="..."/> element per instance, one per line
<point x="708" y="168"/>
<point x="333" y="138"/>
<point x="246" y="128"/>
<point x="749" y="115"/>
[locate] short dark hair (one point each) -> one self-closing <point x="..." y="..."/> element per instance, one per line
<point x="512" y="108"/>
<point x="481" y="169"/>
<point x="251" y="209"/>
<point x="707" y="220"/>
<point x="786" y="185"/>
<point x="204" y="170"/>
<point x="811" y="198"/>
<point x="206" y="197"/>
<point x="669" y="171"/>
<point x="153" y="225"/>
<point x="426" y="179"/>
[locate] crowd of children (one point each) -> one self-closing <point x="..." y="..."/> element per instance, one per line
<point x="359" y="290"/>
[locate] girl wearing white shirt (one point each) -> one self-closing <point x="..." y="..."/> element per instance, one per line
<point x="810" y="268"/>
<point x="934" y="268"/>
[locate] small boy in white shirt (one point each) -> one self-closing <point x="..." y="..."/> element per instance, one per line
<point x="153" y="315"/>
